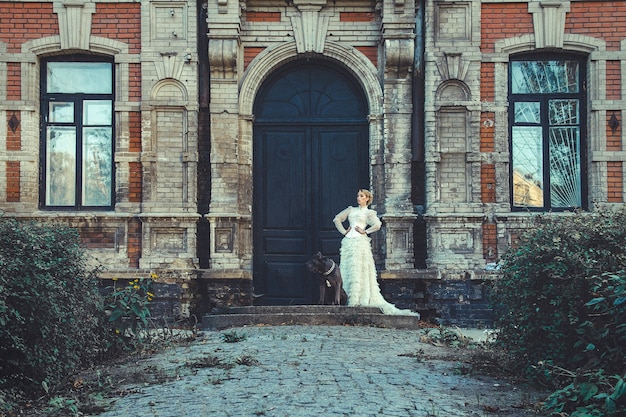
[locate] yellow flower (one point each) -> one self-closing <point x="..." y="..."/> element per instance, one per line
<point x="136" y="287"/>
<point x="117" y="331"/>
<point x="153" y="275"/>
<point x="115" y="278"/>
<point x="149" y="294"/>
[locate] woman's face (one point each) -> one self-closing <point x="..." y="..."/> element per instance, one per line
<point x="361" y="199"/>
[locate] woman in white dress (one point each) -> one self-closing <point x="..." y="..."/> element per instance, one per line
<point x="356" y="260"/>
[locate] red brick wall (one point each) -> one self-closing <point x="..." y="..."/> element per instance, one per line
<point x="249" y="53"/>
<point x="487" y="132"/>
<point x="487" y="80"/>
<point x="134" y="82"/>
<point x="501" y="21"/>
<point x="134" y="128"/>
<point x="615" y="181"/>
<point x="14" y="86"/>
<point x="490" y="241"/>
<point x="14" y="139"/>
<point x="119" y="21"/>
<point x="13" y="181"/>
<point x="135" y="181"/>
<point x="598" y="19"/>
<point x="371" y="52"/>
<point x="22" y="22"/>
<point x="97" y="237"/>
<point x="356" y="17"/>
<point x="488" y="183"/>
<point x="613" y="140"/>
<point x="134" y="242"/>
<point x="592" y="18"/>
<point x="613" y="80"/>
<point x="263" y="16"/>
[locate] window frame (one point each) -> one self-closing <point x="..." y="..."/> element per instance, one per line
<point x="544" y="99"/>
<point x="78" y="100"/>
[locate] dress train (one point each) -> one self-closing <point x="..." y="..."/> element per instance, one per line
<point x="359" y="277"/>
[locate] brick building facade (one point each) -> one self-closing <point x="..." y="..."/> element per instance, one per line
<point x="211" y="142"/>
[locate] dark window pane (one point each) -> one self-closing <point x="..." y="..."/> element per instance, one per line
<point x="79" y="77"/>
<point x="527" y="112"/>
<point x="543" y="77"/>
<point x="527" y="166"/>
<point x="565" y="186"/>
<point x="61" y="112"/>
<point x="97" y="112"/>
<point x="97" y="165"/>
<point x="61" y="166"/>
<point x="563" y="112"/>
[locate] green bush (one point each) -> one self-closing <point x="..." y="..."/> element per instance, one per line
<point x="51" y="315"/>
<point x="547" y="281"/>
<point x="598" y="388"/>
<point x="127" y="309"/>
<point x="561" y="310"/>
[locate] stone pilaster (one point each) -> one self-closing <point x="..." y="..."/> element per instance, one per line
<point x="398" y="37"/>
<point x="169" y="149"/>
<point x="225" y="218"/>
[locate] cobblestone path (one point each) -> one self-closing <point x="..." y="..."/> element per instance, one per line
<point x="291" y="371"/>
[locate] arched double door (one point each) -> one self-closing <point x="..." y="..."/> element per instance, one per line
<point x="311" y="155"/>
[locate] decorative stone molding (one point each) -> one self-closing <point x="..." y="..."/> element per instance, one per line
<point x="222" y="6"/>
<point x="452" y="66"/>
<point x="223" y="58"/>
<point x="549" y="22"/>
<point x="170" y="66"/>
<point x="453" y="91"/>
<point x="398" y="6"/>
<point x="168" y="21"/>
<point x="572" y="42"/>
<point x="309" y="26"/>
<point x="74" y="23"/>
<point x="453" y="21"/>
<point x="399" y="58"/>
<point x="273" y="57"/>
<point x="170" y="90"/>
<point x="398" y="242"/>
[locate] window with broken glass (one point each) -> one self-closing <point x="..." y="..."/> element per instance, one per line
<point x="547" y="117"/>
<point x="77" y="134"/>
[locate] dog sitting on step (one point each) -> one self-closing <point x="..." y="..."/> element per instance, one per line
<point x="331" y="283"/>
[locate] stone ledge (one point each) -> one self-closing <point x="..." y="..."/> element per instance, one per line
<point x="418" y="274"/>
<point x="307" y="315"/>
<point x="225" y="274"/>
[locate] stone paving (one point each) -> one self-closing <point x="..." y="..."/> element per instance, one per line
<point x="294" y="371"/>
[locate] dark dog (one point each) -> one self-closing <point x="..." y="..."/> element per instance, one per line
<point x="330" y="279"/>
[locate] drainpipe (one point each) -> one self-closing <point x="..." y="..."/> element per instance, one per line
<point x="418" y="174"/>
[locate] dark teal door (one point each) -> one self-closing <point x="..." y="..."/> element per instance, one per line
<point x="311" y="155"/>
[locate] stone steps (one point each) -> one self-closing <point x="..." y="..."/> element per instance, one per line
<point x="306" y="315"/>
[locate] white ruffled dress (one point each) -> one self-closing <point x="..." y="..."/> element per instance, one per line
<point x="357" y="262"/>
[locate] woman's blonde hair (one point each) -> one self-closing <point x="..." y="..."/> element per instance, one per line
<point x="368" y="194"/>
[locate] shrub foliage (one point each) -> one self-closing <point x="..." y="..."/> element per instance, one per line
<point x="127" y="309"/>
<point x="561" y="307"/>
<point x="51" y="315"/>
